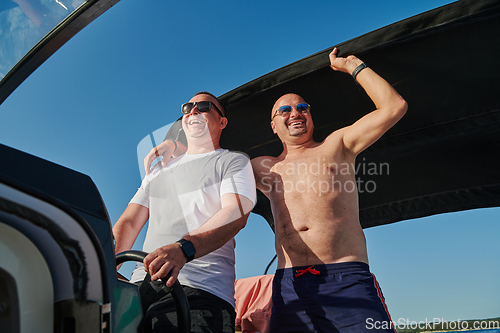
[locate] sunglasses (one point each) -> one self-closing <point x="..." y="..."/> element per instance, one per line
<point x="203" y="106"/>
<point x="286" y="109"/>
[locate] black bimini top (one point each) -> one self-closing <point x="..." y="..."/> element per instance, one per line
<point x="443" y="156"/>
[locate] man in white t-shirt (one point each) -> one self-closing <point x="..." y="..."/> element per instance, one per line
<point x="196" y="203"/>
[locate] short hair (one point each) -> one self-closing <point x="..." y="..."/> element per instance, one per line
<point x="222" y="107"/>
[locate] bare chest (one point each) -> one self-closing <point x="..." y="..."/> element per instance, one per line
<point x="316" y="173"/>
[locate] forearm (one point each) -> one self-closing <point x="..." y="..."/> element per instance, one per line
<point x="390" y="106"/>
<point x="222" y="227"/>
<point x="214" y="235"/>
<point x="128" y="226"/>
<point x="125" y="237"/>
<point x="383" y="95"/>
<point x="216" y="232"/>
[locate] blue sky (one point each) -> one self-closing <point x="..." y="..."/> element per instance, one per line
<point x="126" y="74"/>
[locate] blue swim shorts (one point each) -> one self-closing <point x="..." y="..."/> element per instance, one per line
<point x="341" y="297"/>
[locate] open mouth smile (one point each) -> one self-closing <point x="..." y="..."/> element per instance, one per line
<point x="296" y="123"/>
<point x="196" y="122"/>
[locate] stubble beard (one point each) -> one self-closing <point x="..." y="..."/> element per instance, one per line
<point x="299" y="132"/>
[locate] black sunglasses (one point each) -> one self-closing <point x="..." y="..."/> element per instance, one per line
<point x="203" y="106"/>
<point x="286" y="109"/>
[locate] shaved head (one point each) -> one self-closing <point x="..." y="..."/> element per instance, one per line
<point x="287" y="99"/>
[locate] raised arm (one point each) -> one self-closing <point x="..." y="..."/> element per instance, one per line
<point x="390" y="106"/>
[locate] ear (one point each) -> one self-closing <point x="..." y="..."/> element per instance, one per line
<point x="223" y="123"/>
<point x="273" y="126"/>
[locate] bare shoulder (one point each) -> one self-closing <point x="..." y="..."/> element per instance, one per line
<point x="262" y="164"/>
<point x="262" y="170"/>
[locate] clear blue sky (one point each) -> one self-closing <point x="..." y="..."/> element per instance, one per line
<point x="126" y="74"/>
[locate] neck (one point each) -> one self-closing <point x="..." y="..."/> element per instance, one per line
<point x="297" y="147"/>
<point x="200" y="146"/>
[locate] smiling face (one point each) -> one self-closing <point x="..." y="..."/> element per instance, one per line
<point x="293" y="125"/>
<point x="197" y="123"/>
<point x="204" y="125"/>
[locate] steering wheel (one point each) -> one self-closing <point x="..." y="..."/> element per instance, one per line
<point x="152" y="291"/>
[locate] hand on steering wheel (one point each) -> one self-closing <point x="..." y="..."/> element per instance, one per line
<point x="151" y="291"/>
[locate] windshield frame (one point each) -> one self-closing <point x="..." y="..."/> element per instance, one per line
<point x="51" y="42"/>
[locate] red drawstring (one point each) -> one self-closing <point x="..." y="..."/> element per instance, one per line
<point x="311" y="270"/>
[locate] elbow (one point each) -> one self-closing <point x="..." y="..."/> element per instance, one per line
<point x="402" y="107"/>
<point x="399" y="108"/>
<point x="242" y="221"/>
<point x="245" y="207"/>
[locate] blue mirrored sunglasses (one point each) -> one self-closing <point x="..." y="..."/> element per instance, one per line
<point x="286" y="109"/>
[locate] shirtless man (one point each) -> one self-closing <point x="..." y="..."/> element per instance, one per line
<point x="323" y="283"/>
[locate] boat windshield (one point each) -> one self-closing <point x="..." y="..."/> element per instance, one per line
<point x="23" y="23"/>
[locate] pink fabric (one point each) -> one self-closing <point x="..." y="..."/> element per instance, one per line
<point x="253" y="303"/>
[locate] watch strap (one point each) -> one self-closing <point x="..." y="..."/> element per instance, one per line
<point x="358" y="69"/>
<point x="187" y="248"/>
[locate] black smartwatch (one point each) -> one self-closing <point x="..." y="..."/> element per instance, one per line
<point x="187" y="248"/>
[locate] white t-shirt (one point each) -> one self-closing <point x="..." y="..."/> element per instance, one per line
<point x="184" y="195"/>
